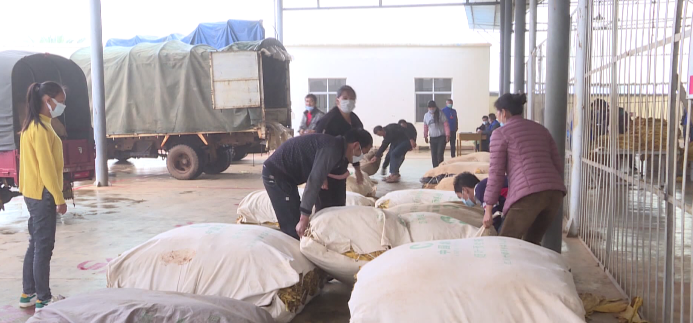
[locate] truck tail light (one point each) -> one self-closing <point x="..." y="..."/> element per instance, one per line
<point x="82" y="175"/>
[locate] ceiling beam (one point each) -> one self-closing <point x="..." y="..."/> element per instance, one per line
<point x="381" y="6"/>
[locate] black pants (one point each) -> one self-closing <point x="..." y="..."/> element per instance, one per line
<point x="285" y="201"/>
<point x="335" y="195"/>
<point x="452" y="145"/>
<point x="437" y="150"/>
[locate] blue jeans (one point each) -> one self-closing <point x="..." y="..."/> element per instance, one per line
<point x="37" y="261"/>
<point x="397" y="153"/>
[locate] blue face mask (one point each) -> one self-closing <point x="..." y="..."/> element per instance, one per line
<point x="308" y="108"/>
<point x="501" y="124"/>
<point x="468" y="203"/>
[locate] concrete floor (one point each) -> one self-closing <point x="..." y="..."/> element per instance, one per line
<point x="144" y="201"/>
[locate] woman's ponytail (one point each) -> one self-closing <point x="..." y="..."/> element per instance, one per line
<point x="520" y="98"/>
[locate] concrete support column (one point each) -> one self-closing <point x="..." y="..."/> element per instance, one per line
<point x="520" y="15"/>
<point x="501" y="67"/>
<point x="581" y="62"/>
<point x="531" y="73"/>
<point x="557" y="62"/>
<point x="98" y="98"/>
<point x="507" y="43"/>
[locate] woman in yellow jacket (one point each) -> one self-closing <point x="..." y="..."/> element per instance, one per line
<point x="41" y="183"/>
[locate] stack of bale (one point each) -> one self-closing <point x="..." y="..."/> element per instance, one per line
<point x="341" y="240"/>
<point x="435" y="176"/>
<point x="643" y="135"/>
<point x="479" y="157"/>
<point x="200" y="265"/>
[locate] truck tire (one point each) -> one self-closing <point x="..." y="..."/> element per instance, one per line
<point x="222" y="163"/>
<point x="239" y="153"/>
<point x="183" y="162"/>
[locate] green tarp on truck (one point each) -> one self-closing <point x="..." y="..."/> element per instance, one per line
<point x="166" y="88"/>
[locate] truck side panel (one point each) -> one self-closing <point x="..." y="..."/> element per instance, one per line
<point x="236" y="80"/>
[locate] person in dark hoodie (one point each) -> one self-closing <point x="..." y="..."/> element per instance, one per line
<point x="411" y="132"/>
<point x="395" y="137"/>
<point x="308" y="159"/>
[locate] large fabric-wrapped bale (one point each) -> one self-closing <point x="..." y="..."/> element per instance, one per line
<point x="479" y="157"/>
<point x="423" y="196"/>
<point x="342" y="239"/>
<point x="368" y="167"/>
<point x="435" y="175"/>
<point x="250" y="263"/>
<point x="367" y="188"/>
<point x="138" y="305"/>
<point x="256" y="207"/>
<point x="428" y="226"/>
<point x="457" y="210"/>
<point x="490" y="279"/>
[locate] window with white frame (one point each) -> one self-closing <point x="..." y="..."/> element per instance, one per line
<point x="326" y="91"/>
<point x="427" y="89"/>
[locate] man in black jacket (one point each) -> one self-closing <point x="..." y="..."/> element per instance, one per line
<point x="411" y="132"/>
<point x="308" y="159"/>
<point x="396" y="137"/>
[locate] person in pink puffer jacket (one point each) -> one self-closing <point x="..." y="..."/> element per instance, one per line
<point x="526" y="152"/>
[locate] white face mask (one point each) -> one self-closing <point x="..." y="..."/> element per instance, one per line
<point x="431" y="111"/>
<point x="59" y="109"/>
<point x="309" y="108"/>
<point x="347" y="106"/>
<point x="355" y="159"/>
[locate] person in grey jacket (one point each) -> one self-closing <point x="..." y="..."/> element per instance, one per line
<point x="308" y="159"/>
<point x="311" y="116"/>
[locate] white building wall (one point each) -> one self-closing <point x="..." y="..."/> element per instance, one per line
<point x="383" y="77"/>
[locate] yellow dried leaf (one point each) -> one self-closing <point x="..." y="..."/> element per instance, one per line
<point x="295" y="297"/>
<point x="364" y="257"/>
<point x="384" y="205"/>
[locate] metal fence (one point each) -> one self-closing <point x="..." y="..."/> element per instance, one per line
<point x="631" y="171"/>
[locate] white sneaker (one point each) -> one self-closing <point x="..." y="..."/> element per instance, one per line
<point x="27" y="300"/>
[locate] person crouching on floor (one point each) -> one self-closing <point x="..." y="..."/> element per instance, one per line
<point x="471" y="191"/>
